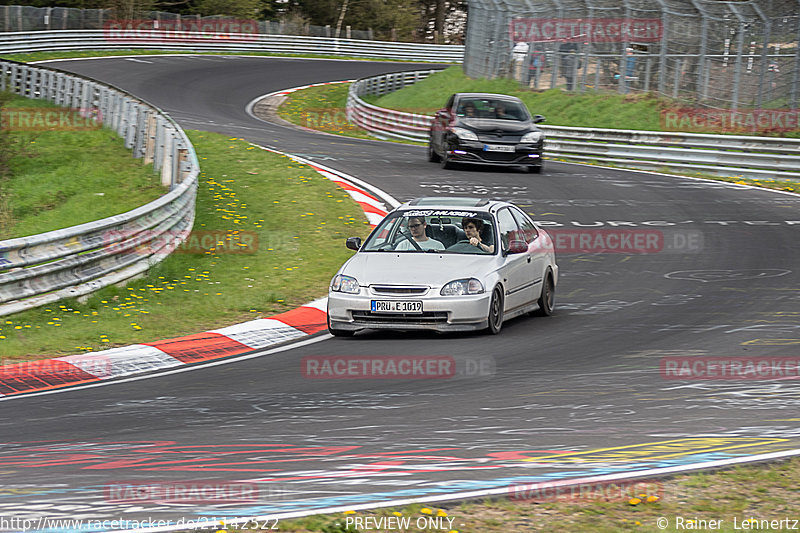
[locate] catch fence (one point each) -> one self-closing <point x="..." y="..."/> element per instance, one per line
<point x="718" y="54"/>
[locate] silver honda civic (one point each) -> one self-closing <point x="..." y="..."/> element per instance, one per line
<point x="445" y="264"/>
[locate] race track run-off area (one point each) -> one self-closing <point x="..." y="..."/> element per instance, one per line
<point x="590" y="391"/>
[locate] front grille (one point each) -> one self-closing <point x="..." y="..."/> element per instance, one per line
<point x="499" y="156"/>
<point x="429" y="317"/>
<point x="397" y="289"/>
<point x="493" y="138"/>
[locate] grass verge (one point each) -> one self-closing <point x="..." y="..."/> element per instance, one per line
<point x="65" y="176"/>
<point x="292" y="220"/>
<point x="737" y="499"/>
<point x="321" y="108"/>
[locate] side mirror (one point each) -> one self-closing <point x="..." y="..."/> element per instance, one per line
<point x="538" y="118"/>
<point x="354" y="243"/>
<point x="517" y="247"/>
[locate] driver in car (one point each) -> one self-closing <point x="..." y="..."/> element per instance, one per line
<point x="474" y="242"/>
<point x="417" y="226"/>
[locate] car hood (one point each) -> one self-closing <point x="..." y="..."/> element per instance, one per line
<point x="430" y="269"/>
<point x="490" y="124"/>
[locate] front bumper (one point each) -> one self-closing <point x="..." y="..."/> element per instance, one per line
<point x="474" y="152"/>
<point x="352" y="312"/>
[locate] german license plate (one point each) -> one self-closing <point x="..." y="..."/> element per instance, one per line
<point x="497" y="148"/>
<point x="396" y="306"/>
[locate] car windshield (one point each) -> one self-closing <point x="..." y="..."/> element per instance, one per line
<point x="455" y="231"/>
<point x="492" y="109"/>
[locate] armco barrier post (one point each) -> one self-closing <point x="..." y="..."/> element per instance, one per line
<point x="166" y="162"/>
<point x="150" y="138"/>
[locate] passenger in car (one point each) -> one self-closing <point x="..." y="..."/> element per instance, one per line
<point x="417" y="226"/>
<point x="468" y="109"/>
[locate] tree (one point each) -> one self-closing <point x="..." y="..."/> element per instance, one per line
<point x="245" y="9"/>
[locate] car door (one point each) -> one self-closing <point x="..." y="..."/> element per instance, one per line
<point x="441" y="121"/>
<point x="516" y="269"/>
<point x="537" y="253"/>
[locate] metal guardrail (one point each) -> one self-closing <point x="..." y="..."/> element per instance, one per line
<point x="724" y="155"/>
<point x="13" y="42"/>
<point x="71" y="262"/>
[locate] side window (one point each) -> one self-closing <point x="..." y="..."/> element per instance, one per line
<point x="529" y="231"/>
<point x="449" y="104"/>
<point x="509" y="231"/>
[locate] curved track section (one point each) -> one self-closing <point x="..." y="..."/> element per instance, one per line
<point x="584" y="392"/>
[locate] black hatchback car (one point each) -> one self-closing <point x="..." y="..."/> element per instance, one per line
<point x="486" y="129"/>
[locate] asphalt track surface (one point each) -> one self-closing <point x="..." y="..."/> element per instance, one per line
<point x="575" y="394"/>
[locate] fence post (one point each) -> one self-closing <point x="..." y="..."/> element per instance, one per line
<point x="149" y="138"/>
<point x="662" y="55"/>
<point x="737" y="69"/>
<point x="796" y="72"/>
<point x="676" y="83"/>
<point x="167" y="159"/>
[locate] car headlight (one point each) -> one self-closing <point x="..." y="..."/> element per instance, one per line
<point x="462" y="286"/>
<point x="532" y="137"/>
<point x="342" y="283"/>
<point x="465" y="134"/>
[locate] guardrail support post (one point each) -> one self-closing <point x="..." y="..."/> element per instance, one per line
<point x="150" y="138"/>
<point x="167" y="160"/>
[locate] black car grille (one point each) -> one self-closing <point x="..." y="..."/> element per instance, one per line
<point x="393" y="289"/>
<point x="505" y="138"/>
<point x="428" y="317"/>
<point x="499" y="156"/>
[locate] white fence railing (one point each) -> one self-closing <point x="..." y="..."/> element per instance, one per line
<point x="724" y="155"/>
<point x="70" y="262"/>
<point x="39" y="41"/>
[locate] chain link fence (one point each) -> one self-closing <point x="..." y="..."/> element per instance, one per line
<point x="706" y="52"/>
<point x="28" y="18"/>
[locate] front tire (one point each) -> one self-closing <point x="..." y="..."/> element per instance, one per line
<point x="433" y="157"/>
<point x="536" y="169"/>
<point x="495" y="312"/>
<point x="547" y="300"/>
<point x="444" y="161"/>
